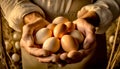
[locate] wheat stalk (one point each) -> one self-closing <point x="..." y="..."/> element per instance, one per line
<point x="113" y="47"/>
<point x="115" y="58"/>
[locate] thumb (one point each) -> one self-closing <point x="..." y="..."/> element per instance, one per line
<point x="89" y="40"/>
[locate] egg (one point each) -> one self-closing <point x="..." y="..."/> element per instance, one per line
<point x="17" y="35"/>
<point x="15" y="57"/>
<point x="42" y="35"/>
<point x="59" y="30"/>
<point x="70" y="26"/>
<point x="77" y="35"/>
<point x="17" y="45"/>
<point x="51" y="26"/>
<point x="111" y="39"/>
<point x="60" y="19"/>
<point x="68" y="43"/>
<point x="51" y="44"/>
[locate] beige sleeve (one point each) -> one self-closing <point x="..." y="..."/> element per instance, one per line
<point x="15" y="10"/>
<point x="108" y="10"/>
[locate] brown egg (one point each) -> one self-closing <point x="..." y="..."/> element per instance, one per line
<point x="77" y="35"/>
<point x="60" y="19"/>
<point x="51" y="26"/>
<point x="69" y="43"/>
<point x="42" y="35"/>
<point x="60" y="30"/>
<point x="70" y="26"/>
<point x="52" y="44"/>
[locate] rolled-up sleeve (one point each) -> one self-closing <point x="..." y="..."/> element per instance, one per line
<point x="108" y="10"/>
<point x="15" y="10"/>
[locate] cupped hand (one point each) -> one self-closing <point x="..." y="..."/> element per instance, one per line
<point x="89" y="44"/>
<point x="88" y="30"/>
<point x="34" y="22"/>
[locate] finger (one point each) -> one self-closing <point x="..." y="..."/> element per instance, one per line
<point x="85" y="52"/>
<point x="74" y="54"/>
<point x="63" y="56"/>
<point x="45" y="59"/>
<point x="52" y="58"/>
<point x="89" y="39"/>
<point x="73" y="57"/>
<point x="38" y="52"/>
<point x="56" y="58"/>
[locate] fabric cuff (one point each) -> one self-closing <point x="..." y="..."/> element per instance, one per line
<point x="15" y="19"/>
<point x="104" y="14"/>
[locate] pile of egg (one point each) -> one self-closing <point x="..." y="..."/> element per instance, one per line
<point x="61" y="33"/>
<point x="12" y="46"/>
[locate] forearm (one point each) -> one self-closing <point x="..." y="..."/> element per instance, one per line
<point x="107" y="10"/>
<point x="91" y="17"/>
<point x="15" y="10"/>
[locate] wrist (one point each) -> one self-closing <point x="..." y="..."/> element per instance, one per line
<point x="31" y="17"/>
<point x="34" y="21"/>
<point x="91" y="17"/>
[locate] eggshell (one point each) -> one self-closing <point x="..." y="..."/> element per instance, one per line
<point x="60" y="19"/>
<point x="17" y="45"/>
<point x="42" y="35"/>
<point x="59" y="30"/>
<point x="52" y="44"/>
<point x="111" y="39"/>
<point x="69" y="43"/>
<point x="15" y="57"/>
<point x="70" y="26"/>
<point x="16" y="35"/>
<point x="77" y="35"/>
<point x="51" y="26"/>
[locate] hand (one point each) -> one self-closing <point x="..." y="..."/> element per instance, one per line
<point x="33" y="22"/>
<point x="89" y="44"/>
<point x="87" y="28"/>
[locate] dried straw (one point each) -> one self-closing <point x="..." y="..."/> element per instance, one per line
<point x="113" y="47"/>
<point x="115" y="58"/>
